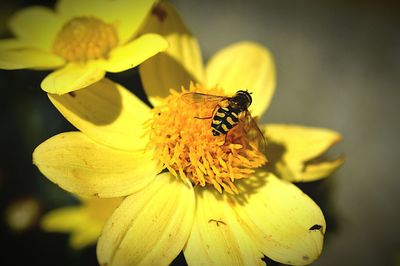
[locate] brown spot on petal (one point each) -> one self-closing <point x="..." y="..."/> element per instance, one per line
<point x="217" y="222"/>
<point x="159" y="12"/>
<point x="305" y="257"/>
<point x="315" y="227"/>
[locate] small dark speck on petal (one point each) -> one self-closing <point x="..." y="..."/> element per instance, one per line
<point x="160" y="13"/>
<point x="315" y="227"/>
<point x="72" y="94"/>
<point x="305" y="257"/>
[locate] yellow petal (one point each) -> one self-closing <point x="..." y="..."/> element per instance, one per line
<point x="150" y="227"/>
<point x="217" y="237"/>
<point x="13" y="43"/>
<point x="73" y="220"/>
<point x="83" y="222"/>
<point x="85" y="236"/>
<point x="180" y="64"/>
<point x="245" y="66"/>
<point x="107" y="113"/>
<point x="291" y="149"/>
<point x="315" y="171"/>
<point x="28" y="58"/>
<point x="99" y="209"/>
<point x="286" y="224"/>
<point x="36" y="24"/>
<point x="81" y="166"/>
<point x="64" y="220"/>
<point x="72" y="77"/>
<point x="125" y="15"/>
<point x="135" y="52"/>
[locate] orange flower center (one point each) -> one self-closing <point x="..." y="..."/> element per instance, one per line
<point x="181" y="135"/>
<point x="85" y="38"/>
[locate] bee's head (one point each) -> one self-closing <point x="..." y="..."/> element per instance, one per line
<point x="243" y="99"/>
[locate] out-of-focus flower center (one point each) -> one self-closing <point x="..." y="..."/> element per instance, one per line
<point x="185" y="145"/>
<point x="85" y="38"/>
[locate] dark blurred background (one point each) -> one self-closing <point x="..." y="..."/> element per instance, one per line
<point x="338" y="66"/>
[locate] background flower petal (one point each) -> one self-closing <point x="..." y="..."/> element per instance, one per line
<point x="83" y="222"/>
<point x="125" y="15"/>
<point x="286" y="224"/>
<point x="28" y="58"/>
<point x="13" y="43"/>
<point x="217" y="237"/>
<point x="293" y="151"/>
<point x="180" y="64"/>
<point x="85" y="236"/>
<point x="150" y="227"/>
<point x="81" y="166"/>
<point x="37" y="24"/>
<point x="248" y="66"/>
<point x="66" y="219"/>
<point x="135" y="52"/>
<point x="72" y="77"/>
<point x="75" y="221"/>
<point x="107" y="113"/>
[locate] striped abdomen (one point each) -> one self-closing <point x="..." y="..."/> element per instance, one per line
<point x="225" y="118"/>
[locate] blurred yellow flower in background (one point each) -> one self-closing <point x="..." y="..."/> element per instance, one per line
<point x="83" y="222"/>
<point x="115" y="156"/>
<point x="81" y="40"/>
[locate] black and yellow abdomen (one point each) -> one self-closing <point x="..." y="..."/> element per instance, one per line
<point x="224" y="119"/>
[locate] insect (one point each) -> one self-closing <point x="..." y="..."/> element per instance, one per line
<point x="228" y="113"/>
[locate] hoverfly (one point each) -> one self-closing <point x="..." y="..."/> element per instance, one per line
<point x="229" y="112"/>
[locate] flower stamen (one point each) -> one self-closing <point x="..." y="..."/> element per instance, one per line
<point x="85" y="38"/>
<point x="185" y="145"/>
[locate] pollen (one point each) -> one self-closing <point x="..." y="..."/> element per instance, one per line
<point x="85" y="38"/>
<point x="181" y="135"/>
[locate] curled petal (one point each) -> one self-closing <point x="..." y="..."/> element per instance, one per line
<point x="294" y="151"/>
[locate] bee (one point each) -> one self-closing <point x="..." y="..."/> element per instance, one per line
<point x="229" y="112"/>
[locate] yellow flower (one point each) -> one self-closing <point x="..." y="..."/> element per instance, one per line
<point x="294" y="152"/>
<point x="83" y="222"/>
<point x="113" y="155"/>
<point x="81" y="40"/>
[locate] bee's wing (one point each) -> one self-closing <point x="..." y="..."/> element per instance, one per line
<point x="196" y="97"/>
<point x="254" y="133"/>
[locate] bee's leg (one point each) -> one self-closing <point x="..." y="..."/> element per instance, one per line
<point x="226" y="135"/>
<point x="229" y="132"/>
<point x="208" y="117"/>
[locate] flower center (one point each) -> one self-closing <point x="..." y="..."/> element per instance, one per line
<point x="85" y="38"/>
<point x="181" y="135"/>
